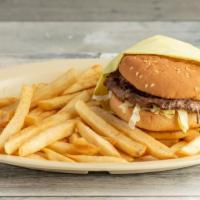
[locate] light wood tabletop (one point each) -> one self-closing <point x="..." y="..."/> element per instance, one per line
<point x="99" y="10"/>
<point x="22" y="42"/>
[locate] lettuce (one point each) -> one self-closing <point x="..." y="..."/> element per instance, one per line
<point x="135" y="117"/>
<point x="124" y="106"/>
<point x="183" y="120"/>
<point x="102" y="97"/>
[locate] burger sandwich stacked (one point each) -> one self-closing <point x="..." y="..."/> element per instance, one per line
<point x="155" y="85"/>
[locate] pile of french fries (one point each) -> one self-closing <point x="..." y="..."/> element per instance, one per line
<point x="60" y="121"/>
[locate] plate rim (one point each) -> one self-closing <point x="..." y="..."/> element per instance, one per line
<point x="113" y="168"/>
<point x="83" y="168"/>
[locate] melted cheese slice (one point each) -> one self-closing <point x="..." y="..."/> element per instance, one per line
<point x="156" y="45"/>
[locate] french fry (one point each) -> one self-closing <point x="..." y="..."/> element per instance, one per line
<point x="5" y="116"/>
<point x="192" y="148"/>
<point x="146" y="158"/>
<point x="83" y="147"/>
<point x="35" y="156"/>
<point x="84" y="96"/>
<point x="42" y="154"/>
<point x="87" y="80"/>
<point x="56" y="87"/>
<point x="169" y="143"/>
<point x="79" y="147"/>
<point x="14" y="143"/>
<point x="73" y="138"/>
<point x="31" y="120"/>
<point x="6" y="113"/>
<point x="178" y="146"/>
<point x="96" y="159"/>
<point x="56" y="102"/>
<point x="156" y="148"/>
<point x="17" y="140"/>
<point x="192" y="135"/>
<point x="36" y="111"/>
<point x="110" y="140"/>
<point x="47" y="114"/>
<point x="126" y="157"/>
<point x="17" y="121"/>
<point x="59" y="117"/>
<point x="123" y="142"/>
<point x="34" y="118"/>
<point x="168" y="135"/>
<point x="52" y="155"/>
<point x="47" y="137"/>
<point x="63" y="147"/>
<point x="7" y="101"/>
<point x="106" y="148"/>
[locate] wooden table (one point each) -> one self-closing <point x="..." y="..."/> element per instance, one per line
<point x="31" y="41"/>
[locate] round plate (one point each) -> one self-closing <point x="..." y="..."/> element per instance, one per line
<point x="11" y="79"/>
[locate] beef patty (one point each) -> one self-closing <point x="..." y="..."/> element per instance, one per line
<point x="124" y="91"/>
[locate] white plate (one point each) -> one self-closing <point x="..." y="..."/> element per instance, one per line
<point x="11" y="80"/>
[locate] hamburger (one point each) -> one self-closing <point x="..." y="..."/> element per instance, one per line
<point x="155" y="85"/>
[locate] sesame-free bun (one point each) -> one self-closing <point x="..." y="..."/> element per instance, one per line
<point x="162" y="76"/>
<point x="150" y="121"/>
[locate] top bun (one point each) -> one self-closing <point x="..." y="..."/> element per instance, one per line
<point x="162" y="76"/>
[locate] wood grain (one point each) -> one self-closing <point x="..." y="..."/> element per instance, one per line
<point x="100" y="198"/>
<point x="39" y="40"/>
<point x="16" y="181"/>
<point x="96" y="10"/>
<point x="29" y="42"/>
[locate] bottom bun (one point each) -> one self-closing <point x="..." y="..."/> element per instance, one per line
<point x="150" y="121"/>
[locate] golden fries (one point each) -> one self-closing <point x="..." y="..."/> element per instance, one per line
<point x="156" y="148"/>
<point x="84" y="147"/>
<point x="52" y="155"/>
<point x="110" y="140"/>
<point x="24" y="135"/>
<point x="126" y="157"/>
<point x="102" y="127"/>
<point x="17" y="122"/>
<point x="178" y="146"/>
<point x="80" y="146"/>
<point x="97" y="159"/>
<point x="63" y="147"/>
<point x="33" y="116"/>
<point x="191" y="148"/>
<point x="46" y="138"/>
<point x="105" y="148"/>
<point x="56" y="102"/>
<point x="35" y="156"/>
<point x="73" y="137"/>
<point x="56" y="87"/>
<point x="84" y="96"/>
<point x="47" y="114"/>
<point x="146" y="158"/>
<point x="60" y="121"/>
<point x="18" y="139"/>
<point x="192" y="135"/>
<point x="7" y="101"/>
<point x="6" y="115"/>
<point x="87" y="80"/>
